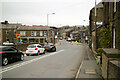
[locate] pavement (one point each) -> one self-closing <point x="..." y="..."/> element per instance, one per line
<point x="89" y="68"/>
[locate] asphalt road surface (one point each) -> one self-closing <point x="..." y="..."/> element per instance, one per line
<point x="63" y="63"/>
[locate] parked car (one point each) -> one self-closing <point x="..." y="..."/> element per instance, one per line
<point x="60" y="38"/>
<point x="35" y="49"/>
<point x="50" y="47"/>
<point x="10" y="53"/>
<point x="8" y="43"/>
<point x="69" y="39"/>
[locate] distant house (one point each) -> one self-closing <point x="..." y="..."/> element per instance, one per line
<point x="55" y="32"/>
<point x="65" y="33"/>
<point x="84" y="37"/>
<point x="74" y="35"/>
<point x="8" y="32"/>
<point x="33" y="34"/>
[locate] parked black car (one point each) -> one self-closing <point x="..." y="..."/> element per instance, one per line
<point x="10" y="53"/>
<point x="50" y="47"/>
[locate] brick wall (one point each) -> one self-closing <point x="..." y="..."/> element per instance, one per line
<point x="21" y="47"/>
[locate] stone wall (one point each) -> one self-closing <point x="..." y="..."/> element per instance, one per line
<point x="104" y="66"/>
<point x="21" y="47"/>
<point x="109" y="54"/>
<point x="114" y="70"/>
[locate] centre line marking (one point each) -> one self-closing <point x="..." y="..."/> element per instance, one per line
<point x="27" y="62"/>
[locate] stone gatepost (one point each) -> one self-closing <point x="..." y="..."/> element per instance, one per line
<point x="109" y="54"/>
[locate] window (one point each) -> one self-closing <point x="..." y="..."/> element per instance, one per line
<point x="39" y="46"/>
<point x="45" y="33"/>
<point x="41" y="33"/>
<point x="84" y="34"/>
<point x="7" y="39"/>
<point x="114" y="38"/>
<point x="31" y="46"/>
<point x="32" y="40"/>
<point x="115" y="6"/>
<point x="33" y="33"/>
<point x="7" y="32"/>
<point x="51" y="33"/>
<point x="41" y="40"/>
<point x="14" y="31"/>
<point x="11" y="49"/>
<point x="22" y="33"/>
<point x="24" y="40"/>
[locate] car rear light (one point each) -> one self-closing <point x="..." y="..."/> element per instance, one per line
<point x="36" y="48"/>
<point x="1" y="52"/>
<point x="50" y="46"/>
<point x="26" y="48"/>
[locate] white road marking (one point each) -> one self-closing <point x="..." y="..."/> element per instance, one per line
<point x="27" y="62"/>
<point x="78" y="72"/>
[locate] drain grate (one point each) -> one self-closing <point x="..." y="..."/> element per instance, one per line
<point x="90" y="71"/>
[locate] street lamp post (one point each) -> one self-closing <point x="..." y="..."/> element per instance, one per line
<point x="95" y="26"/>
<point x="48" y="18"/>
<point x="48" y="21"/>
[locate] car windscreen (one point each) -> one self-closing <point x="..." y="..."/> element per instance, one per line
<point x="2" y="48"/>
<point x="31" y="46"/>
<point x="47" y="46"/>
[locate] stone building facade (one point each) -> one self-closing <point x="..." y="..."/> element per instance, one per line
<point x="32" y="34"/>
<point x="111" y="56"/>
<point x="83" y="34"/>
<point x="8" y="32"/>
<point x="51" y="36"/>
<point x="117" y="25"/>
<point x="112" y="19"/>
<point x="99" y="21"/>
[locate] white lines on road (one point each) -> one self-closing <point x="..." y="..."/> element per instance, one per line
<point x="27" y="62"/>
<point x="78" y="72"/>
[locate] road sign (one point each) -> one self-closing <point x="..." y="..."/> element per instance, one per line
<point x="18" y="36"/>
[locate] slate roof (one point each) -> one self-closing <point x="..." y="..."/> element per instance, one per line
<point x="33" y="28"/>
<point x="74" y="32"/>
<point x="68" y="30"/>
<point x="99" y="5"/>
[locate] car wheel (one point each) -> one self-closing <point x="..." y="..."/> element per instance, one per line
<point x="38" y="53"/>
<point x="55" y="49"/>
<point x="27" y="54"/>
<point x="22" y="57"/>
<point x="44" y="52"/>
<point x="5" y="61"/>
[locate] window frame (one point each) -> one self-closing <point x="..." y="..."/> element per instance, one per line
<point x="41" y="33"/>
<point x="34" y="33"/>
<point x="23" y="33"/>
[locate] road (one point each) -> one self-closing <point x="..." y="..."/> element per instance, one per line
<point x="63" y="63"/>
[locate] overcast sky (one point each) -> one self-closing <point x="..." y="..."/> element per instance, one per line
<point x="34" y="12"/>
